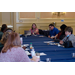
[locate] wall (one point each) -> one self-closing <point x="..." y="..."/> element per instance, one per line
<point x="24" y="20"/>
<point x="6" y="18"/>
<point x="0" y="18"/>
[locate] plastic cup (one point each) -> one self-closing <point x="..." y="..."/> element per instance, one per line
<point x="48" y="59"/>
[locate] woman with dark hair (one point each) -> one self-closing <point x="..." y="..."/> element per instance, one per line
<point x="61" y="34"/>
<point x="34" y="30"/>
<point x="3" y="29"/>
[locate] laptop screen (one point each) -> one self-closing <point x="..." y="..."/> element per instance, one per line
<point x="27" y="32"/>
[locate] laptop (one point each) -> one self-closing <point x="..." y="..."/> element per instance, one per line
<point x="27" y="32"/>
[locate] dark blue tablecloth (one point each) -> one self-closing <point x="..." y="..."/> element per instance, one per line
<point x="57" y="54"/>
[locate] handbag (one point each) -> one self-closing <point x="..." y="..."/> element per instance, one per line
<point x="68" y="44"/>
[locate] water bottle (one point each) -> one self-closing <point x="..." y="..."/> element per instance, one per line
<point x="21" y="39"/>
<point x="31" y="46"/>
<point x="33" y="52"/>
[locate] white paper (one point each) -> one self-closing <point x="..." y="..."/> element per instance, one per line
<point x="59" y="45"/>
<point x="27" y="53"/>
<point x="27" y="49"/>
<point x="48" y="41"/>
<point x="42" y="54"/>
<point x="26" y="45"/>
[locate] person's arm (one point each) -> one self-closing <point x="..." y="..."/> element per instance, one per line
<point x="63" y="40"/>
<point x="56" y="36"/>
<point x="49" y="36"/>
<point x="36" y="31"/>
<point x="23" y="57"/>
<point x="31" y="32"/>
<point x="57" y="31"/>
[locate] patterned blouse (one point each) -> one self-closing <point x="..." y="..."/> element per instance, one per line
<point x="32" y="31"/>
<point x="15" y="54"/>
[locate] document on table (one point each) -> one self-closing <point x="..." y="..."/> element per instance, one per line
<point x="26" y="45"/>
<point x="41" y="54"/>
<point x="48" y="41"/>
<point x="27" y="49"/>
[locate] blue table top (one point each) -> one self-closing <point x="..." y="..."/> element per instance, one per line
<point x="57" y="54"/>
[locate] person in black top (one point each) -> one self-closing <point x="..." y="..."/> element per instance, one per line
<point x="3" y="29"/>
<point x="61" y="34"/>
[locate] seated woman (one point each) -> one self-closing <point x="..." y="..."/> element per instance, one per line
<point x="34" y="30"/>
<point x="4" y="38"/>
<point x="12" y="51"/>
<point x="3" y="29"/>
<point x="61" y="34"/>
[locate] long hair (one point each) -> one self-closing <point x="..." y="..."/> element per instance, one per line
<point x="4" y="27"/>
<point x="32" y="26"/>
<point x="4" y="37"/>
<point x="13" y="40"/>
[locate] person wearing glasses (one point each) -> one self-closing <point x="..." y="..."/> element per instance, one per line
<point x="53" y="33"/>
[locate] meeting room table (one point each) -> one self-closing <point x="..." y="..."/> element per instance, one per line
<point x="54" y="52"/>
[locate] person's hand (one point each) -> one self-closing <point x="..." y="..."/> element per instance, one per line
<point x="61" y="42"/>
<point x="36" y="31"/>
<point x="49" y="37"/>
<point x="36" y="59"/>
<point x="52" y="37"/>
<point x="24" y="47"/>
<point x="33" y="33"/>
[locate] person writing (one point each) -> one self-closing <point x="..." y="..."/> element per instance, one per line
<point x="13" y="52"/>
<point x="34" y="30"/>
<point x="69" y="36"/>
<point x="53" y="33"/>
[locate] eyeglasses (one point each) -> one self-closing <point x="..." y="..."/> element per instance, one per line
<point x="49" y="27"/>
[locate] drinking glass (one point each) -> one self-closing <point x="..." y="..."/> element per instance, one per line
<point x="48" y="59"/>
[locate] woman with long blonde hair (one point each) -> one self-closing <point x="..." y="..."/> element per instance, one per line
<point x="12" y="51"/>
